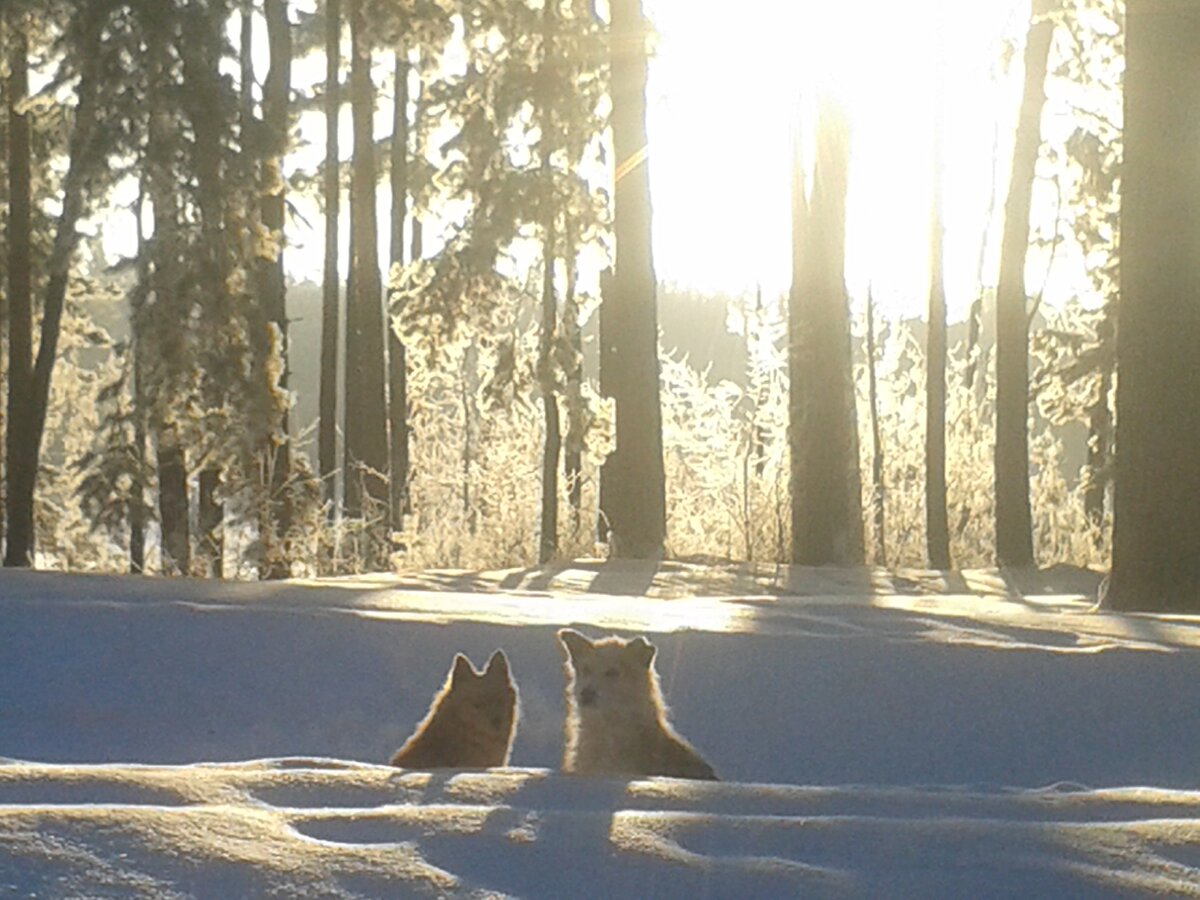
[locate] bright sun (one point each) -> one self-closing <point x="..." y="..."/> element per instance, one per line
<point x="726" y="98"/>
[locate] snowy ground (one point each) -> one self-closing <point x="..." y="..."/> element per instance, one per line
<point x="880" y="734"/>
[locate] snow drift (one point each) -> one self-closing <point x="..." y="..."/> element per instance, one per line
<point x="881" y="734"/>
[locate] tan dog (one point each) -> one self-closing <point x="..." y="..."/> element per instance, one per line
<point x="616" y="719"/>
<point x="470" y="724"/>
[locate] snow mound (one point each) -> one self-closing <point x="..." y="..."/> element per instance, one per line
<point x="906" y="733"/>
<point x="305" y="827"/>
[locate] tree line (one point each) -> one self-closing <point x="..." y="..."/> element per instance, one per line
<point x="518" y="151"/>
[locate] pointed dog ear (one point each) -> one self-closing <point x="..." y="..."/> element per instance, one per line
<point x="462" y="669"/>
<point x="497" y="666"/>
<point x="574" y="643"/>
<point x="641" y="650"/>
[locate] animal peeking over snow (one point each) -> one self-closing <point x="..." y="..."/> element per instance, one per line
<point x="616" y="718"/>
<point x="471" y="722"/>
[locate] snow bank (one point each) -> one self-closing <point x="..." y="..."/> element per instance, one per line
<point x="307" y="827"/>
<point x="880" y="733"/>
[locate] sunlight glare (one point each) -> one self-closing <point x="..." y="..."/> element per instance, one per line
<point x="726" y="96"/>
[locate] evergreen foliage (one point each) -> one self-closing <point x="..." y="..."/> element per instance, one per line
<point x="168" y="440"/>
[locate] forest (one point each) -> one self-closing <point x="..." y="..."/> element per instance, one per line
<point x="487" y="369"/>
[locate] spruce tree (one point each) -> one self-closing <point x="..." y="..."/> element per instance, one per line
<point x="826" y="493"/>
<point x="1156" y="529"/>
<point x="633" y="490"/>
<point x="327" y="462"/>
<point x="1014" y="517"/>
<point x="366" y="390"/>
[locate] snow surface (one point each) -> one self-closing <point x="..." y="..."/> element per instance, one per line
<point x="895" y="734"/>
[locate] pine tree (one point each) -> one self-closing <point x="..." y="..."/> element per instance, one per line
<point x="1156" y="528"/>
<point x="164" y="339"/>
<point x="633" y="490"/>
<point x="826" y="503"/>
<point x="878" y="486"/>
<point x="275" y="522"/>
<point x="548" y="144"/>
<point x="19" y="512"/>
<point x="366" y="398"/>
<point x="327" y="462"/>
<point x="937" y="528"/>
<point x="1014" y="518"/>
<point x="397" y="354"/>
<point x="139" y="513"/>
<point x="88" y="142"/>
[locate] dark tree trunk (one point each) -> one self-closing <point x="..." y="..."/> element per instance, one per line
<point x="366" y="399"/>
<point x="201" y="50"/>
<point x="1156" y="531"/>
<point x="573" y="456"/>
<point x="397" y="356"/>
<point x="1014" y="518"/>
<point x="210" y="521"/>
<point x="4" y="93"/>
<point x="937" y="529"/>
<point x="137" y="510"/>
<point x="552" y="450"/>
<point x="246" y="62"/>
<point x="878" y="495"/>
<point x="173" y="505"/>
<point x="20" y="476"/>
<point x="331" y="284"/>
<point x="417" y="244"/>
<point x="352" y="486"/>
<point x="1100" y="428"/>
<point x="552" y="447"/>
<point x="418" y="236"/>
<point x="826" y="485"/>
<point x="82" y="160"/>
<point x="609" y="368"/>
<point x="468" y="386"/>
<point x="633" y="491"/>
<point x="175" y="538"/>
<point x="276" y="522"/>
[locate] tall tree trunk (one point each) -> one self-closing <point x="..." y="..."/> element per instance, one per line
<point x="878" y="495"/>
<point x="331" y="283"/>
<point x="552" y="449"/>
<point x="937" y="529"/>
<point x="137" y="509"/>
<point x="276" y="453"/>
<point x="826" y="485"/>
<point x="576" y="410"/>
<point x="366" y="399"/>
<point x="4" y="93"/>
<point x="1100" y="427"/>
<point x="417" y="243"/>
<point x="633" y="490"/>
<point x="418" y="236"/>
<point x="173" y="505"/>
<point x="1014" y="519"/>
<point x="609" y="370"/>
<point x="83" y="157"/>
<point x="397" y="356"/>
<point x="246" y="63"/>
<point x="19" y="476"/>
<point x="165" y="279"/>
<point x="467" y="392"/>
<point x="1156" y="530"/>
<point x="201" y="50"/>
<point x="548" y="337"/>
<point x="211" y="522"/>
<point x="352" y="484"/>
